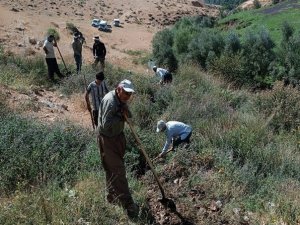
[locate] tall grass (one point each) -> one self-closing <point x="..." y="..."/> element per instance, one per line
<point x="244" y="152"/>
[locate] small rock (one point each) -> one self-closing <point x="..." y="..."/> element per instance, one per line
<point x="32" y="40"/>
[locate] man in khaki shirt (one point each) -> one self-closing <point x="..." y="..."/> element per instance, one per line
<point x="112" y="145"/>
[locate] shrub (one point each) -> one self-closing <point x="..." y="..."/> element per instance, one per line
<point x="162" y="49"/>
<point x="26" y="160"/>
<point x="282" y="106"/>
<point x="53" y="31"/>
<point x="205" y="42"/>
<point x="71" y="27"/>
<point x="257" y="56"/>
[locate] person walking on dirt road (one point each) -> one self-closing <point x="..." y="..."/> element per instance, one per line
<point x="176" y="132"/>
<point x="99" y="52"/>
<point x="96" y="90"/>
<point x="52" y="65"/>
<point x="77" y="48"/>
<point x="164" y="75"/>
<point x="112" y="143"/>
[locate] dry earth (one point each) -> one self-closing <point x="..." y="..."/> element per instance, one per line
<point x="24" y="23"/>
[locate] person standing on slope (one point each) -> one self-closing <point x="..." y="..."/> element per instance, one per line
<point x="96" y="90"/>
<point x="112" y="143"/>
<point x="51" y="61"/>
<point x="99" y="53"/>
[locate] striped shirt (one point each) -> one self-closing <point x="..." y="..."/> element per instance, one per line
<point x="97" y="93"/>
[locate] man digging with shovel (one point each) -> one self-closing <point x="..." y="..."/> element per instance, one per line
<point x="52" y="65"/>
<point x="113" y="112"/>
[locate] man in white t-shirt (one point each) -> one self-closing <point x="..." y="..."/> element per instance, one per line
<point x="52" y="65"/>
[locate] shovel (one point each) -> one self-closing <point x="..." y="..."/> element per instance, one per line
<point x="164" y="201"/>
<point x="68" y="72"/>
<point x="170" y="150"/>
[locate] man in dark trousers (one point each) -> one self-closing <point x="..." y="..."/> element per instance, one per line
<point x="77" y="48"/>
<point x="96" y="90"/>
<point x="52" y="65"/>
<point x="112" y="145"/>
<point x="99" y="52"/>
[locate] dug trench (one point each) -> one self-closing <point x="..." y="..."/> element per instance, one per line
<point x="174" y="175"/>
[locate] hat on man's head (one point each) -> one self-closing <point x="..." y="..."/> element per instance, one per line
<point x="127" y="85"/>
<point x="160" y="125"/>
<point x="96" y="38"/>
<point x="100" y="76"/>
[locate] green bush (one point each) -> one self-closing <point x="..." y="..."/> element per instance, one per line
<point x="71" y="27"/>
<point x="53" y="31"/>
<point x="282" y="106"/>
<point x="34" y="154"/>
<point x="162" y="45"/>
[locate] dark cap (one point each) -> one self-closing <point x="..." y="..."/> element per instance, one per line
<point x="100" y="76"/>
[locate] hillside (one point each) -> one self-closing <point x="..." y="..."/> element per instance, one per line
<point x="271" y="18"/>
<point x="241" y="168"/>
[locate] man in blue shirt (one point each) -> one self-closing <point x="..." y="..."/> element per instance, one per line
<point x="176" y="132"/>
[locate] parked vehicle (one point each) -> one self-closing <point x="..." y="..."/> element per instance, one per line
<point x="116" y="22"/>
<point x="103" y="26"/>
<point x="96" y="22"/>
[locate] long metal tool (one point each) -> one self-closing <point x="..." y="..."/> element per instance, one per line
<point x="91" y="114"/>
<point x="68" y="72"/>
<point x="165" y="201"/>
<point x="170" y="150"/>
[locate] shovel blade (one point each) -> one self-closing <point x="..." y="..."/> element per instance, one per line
<point x="168" y="203"/>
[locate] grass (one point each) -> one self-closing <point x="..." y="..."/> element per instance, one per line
<point x="238" y="156"/>
<point x="254" y="20"/>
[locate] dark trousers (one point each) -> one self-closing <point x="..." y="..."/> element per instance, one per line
<point x="78" y="61"/>
<point x="112" y="151"/>
<point x="53" y="68"/>
<point x="178" y="140"/>
<point x="167" y="78"/>
<point x="95" y="117"/>
<point x="102" y="63"/>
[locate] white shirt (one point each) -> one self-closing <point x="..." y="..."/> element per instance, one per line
<point x="175" y="129"/>
<point x="161" y="72"/>
<point x="50" y="48"/>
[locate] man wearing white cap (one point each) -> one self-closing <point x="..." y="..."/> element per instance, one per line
<point x="164" y="75"/>
<point x="176" y="132"/>
<point x="112" y="145"/>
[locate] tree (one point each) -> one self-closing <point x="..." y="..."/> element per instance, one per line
<point x="162" y="49"/>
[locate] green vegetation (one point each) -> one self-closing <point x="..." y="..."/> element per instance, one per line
<point x="53" y="31"/>
<point x="245" y="145"/>
<point x="251" y="48"/>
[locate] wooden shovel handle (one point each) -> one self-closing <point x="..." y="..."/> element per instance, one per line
<point x="146" y="157"/>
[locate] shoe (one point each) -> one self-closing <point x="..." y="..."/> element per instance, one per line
<point x="133" y="211"/>
<point x="112" y="198"/>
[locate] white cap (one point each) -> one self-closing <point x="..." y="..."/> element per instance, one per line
<point x="127" y="85"/>
<point x="160" y="125"/>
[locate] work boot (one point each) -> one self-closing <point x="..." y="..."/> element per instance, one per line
<point x="113" y="199"/>
<point x="133" y="211"/>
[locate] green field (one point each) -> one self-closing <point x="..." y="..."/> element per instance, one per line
<point x="271" y="18"/>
